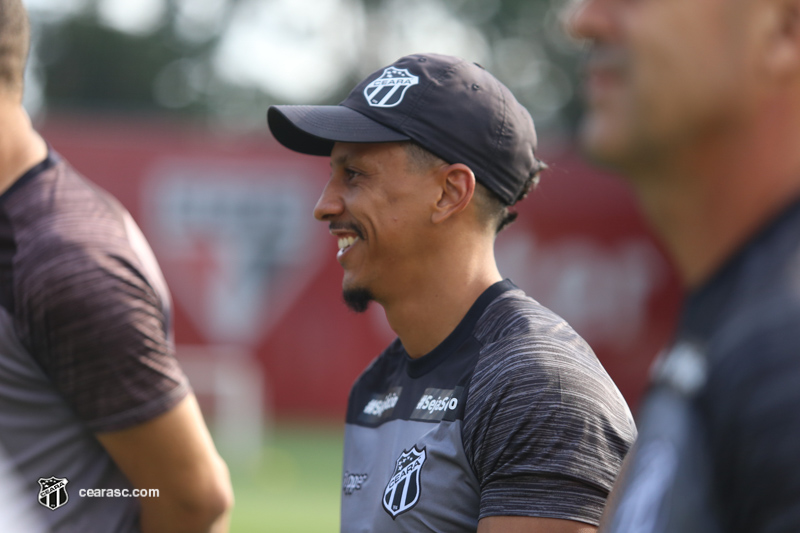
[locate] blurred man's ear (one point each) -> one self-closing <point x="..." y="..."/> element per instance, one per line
<point x="782" y="53"/>
<point x="458" y="187"/>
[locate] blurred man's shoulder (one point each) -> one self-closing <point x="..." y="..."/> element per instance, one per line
<point x="54" y="210"/>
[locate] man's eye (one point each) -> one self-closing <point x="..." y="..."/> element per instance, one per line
<point x="351" y="173"/>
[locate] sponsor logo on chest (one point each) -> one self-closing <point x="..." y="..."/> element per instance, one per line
<point x="438" y="404"/>
<point x="380" y="406"/>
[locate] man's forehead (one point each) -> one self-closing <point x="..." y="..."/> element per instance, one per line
<point x="344" y="153"/>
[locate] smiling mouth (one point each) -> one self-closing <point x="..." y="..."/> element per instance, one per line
<point x="345" y="243"/>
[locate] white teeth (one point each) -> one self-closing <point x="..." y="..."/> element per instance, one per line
<point x="344" y="242"/>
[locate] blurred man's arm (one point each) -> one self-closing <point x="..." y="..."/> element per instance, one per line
<point x="524" y="524"/>
<point x="174" y="453"/>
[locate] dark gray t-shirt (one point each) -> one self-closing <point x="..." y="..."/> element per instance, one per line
<point x="85" y="343"/>
<point x="512" y="414"/>
<point x="720" y="426"/>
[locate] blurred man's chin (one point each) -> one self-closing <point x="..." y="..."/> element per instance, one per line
<point x="357" y="299"/>
<point x="601" y="143"/>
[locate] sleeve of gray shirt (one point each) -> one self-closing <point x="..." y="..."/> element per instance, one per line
<point x="86" y="309"/>
<point x="545" y="428"/>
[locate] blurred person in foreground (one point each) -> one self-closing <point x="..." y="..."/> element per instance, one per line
<point x="488" y="412"/>
<point x="697" y="103"/>
<point x="16" y="513"/>
<point x="92" y="399"/>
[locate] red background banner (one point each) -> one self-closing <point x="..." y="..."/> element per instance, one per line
<point x="230" y="220"/>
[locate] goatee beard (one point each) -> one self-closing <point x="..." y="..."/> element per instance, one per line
<point x="357" y="299"/>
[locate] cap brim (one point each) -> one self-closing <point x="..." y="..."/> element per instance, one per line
<point x="312" y="129"/>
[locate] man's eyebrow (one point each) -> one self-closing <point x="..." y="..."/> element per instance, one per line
<point x="340" y="160"/>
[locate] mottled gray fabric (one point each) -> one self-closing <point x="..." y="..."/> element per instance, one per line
<point x="545" y="428"/>
<point x="85" y="343"/>
<point x="511" y="415"/>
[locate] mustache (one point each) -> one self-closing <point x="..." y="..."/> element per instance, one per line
<point x="348" y="226"/>
<point x="606" y="57"/>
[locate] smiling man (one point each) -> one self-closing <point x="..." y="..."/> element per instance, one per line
<point x="488" y="412"/>
<point x="697" y="103"/>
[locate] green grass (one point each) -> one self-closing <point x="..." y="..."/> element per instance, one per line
<point x="295" y="487"/>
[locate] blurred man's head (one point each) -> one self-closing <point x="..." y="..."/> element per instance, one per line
<point x="14" y="43"/>
<point x="663" y="75"/>
<point x="427" y="155"/>
<point x="697" y="103"/>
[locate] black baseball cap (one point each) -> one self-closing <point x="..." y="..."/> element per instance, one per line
<point x="451" y="107"/>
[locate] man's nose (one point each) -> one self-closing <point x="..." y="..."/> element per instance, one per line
<point x="330" y="203"/>
<point x="590" y="19"/>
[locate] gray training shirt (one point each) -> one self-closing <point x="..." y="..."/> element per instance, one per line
<point x="512" y="414"/>
<point x="85" y="345"/>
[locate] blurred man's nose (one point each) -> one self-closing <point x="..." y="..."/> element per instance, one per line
<point x="329" y="204"/>
<point x="590" y="19"/>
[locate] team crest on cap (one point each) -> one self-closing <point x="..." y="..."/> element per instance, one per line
<point x="388" y="89"/>
<point x="53" y="492"/>
<point x="402" y="491"/>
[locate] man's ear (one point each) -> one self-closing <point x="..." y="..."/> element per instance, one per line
<point x="457" y="188"/>
<point x="782" y="54"/>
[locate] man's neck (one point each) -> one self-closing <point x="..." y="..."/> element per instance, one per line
<point x="20" y="146"/>
<point x="707" y="205"/>
<point x="425" y="314"/>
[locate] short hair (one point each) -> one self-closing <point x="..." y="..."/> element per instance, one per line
<point x="420" y="159"/>
<point x="491" y="208"/>
<point x="14" y="44"/>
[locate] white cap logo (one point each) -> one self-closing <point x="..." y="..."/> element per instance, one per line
<point x="389" y="88"/>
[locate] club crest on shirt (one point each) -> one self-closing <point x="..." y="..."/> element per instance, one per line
<point x="53" y="492"/>
<point x="403" y="490"/>
<point x="388" y="89"/>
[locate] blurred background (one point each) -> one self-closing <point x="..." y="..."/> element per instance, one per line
<point x="163" y="103"/>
